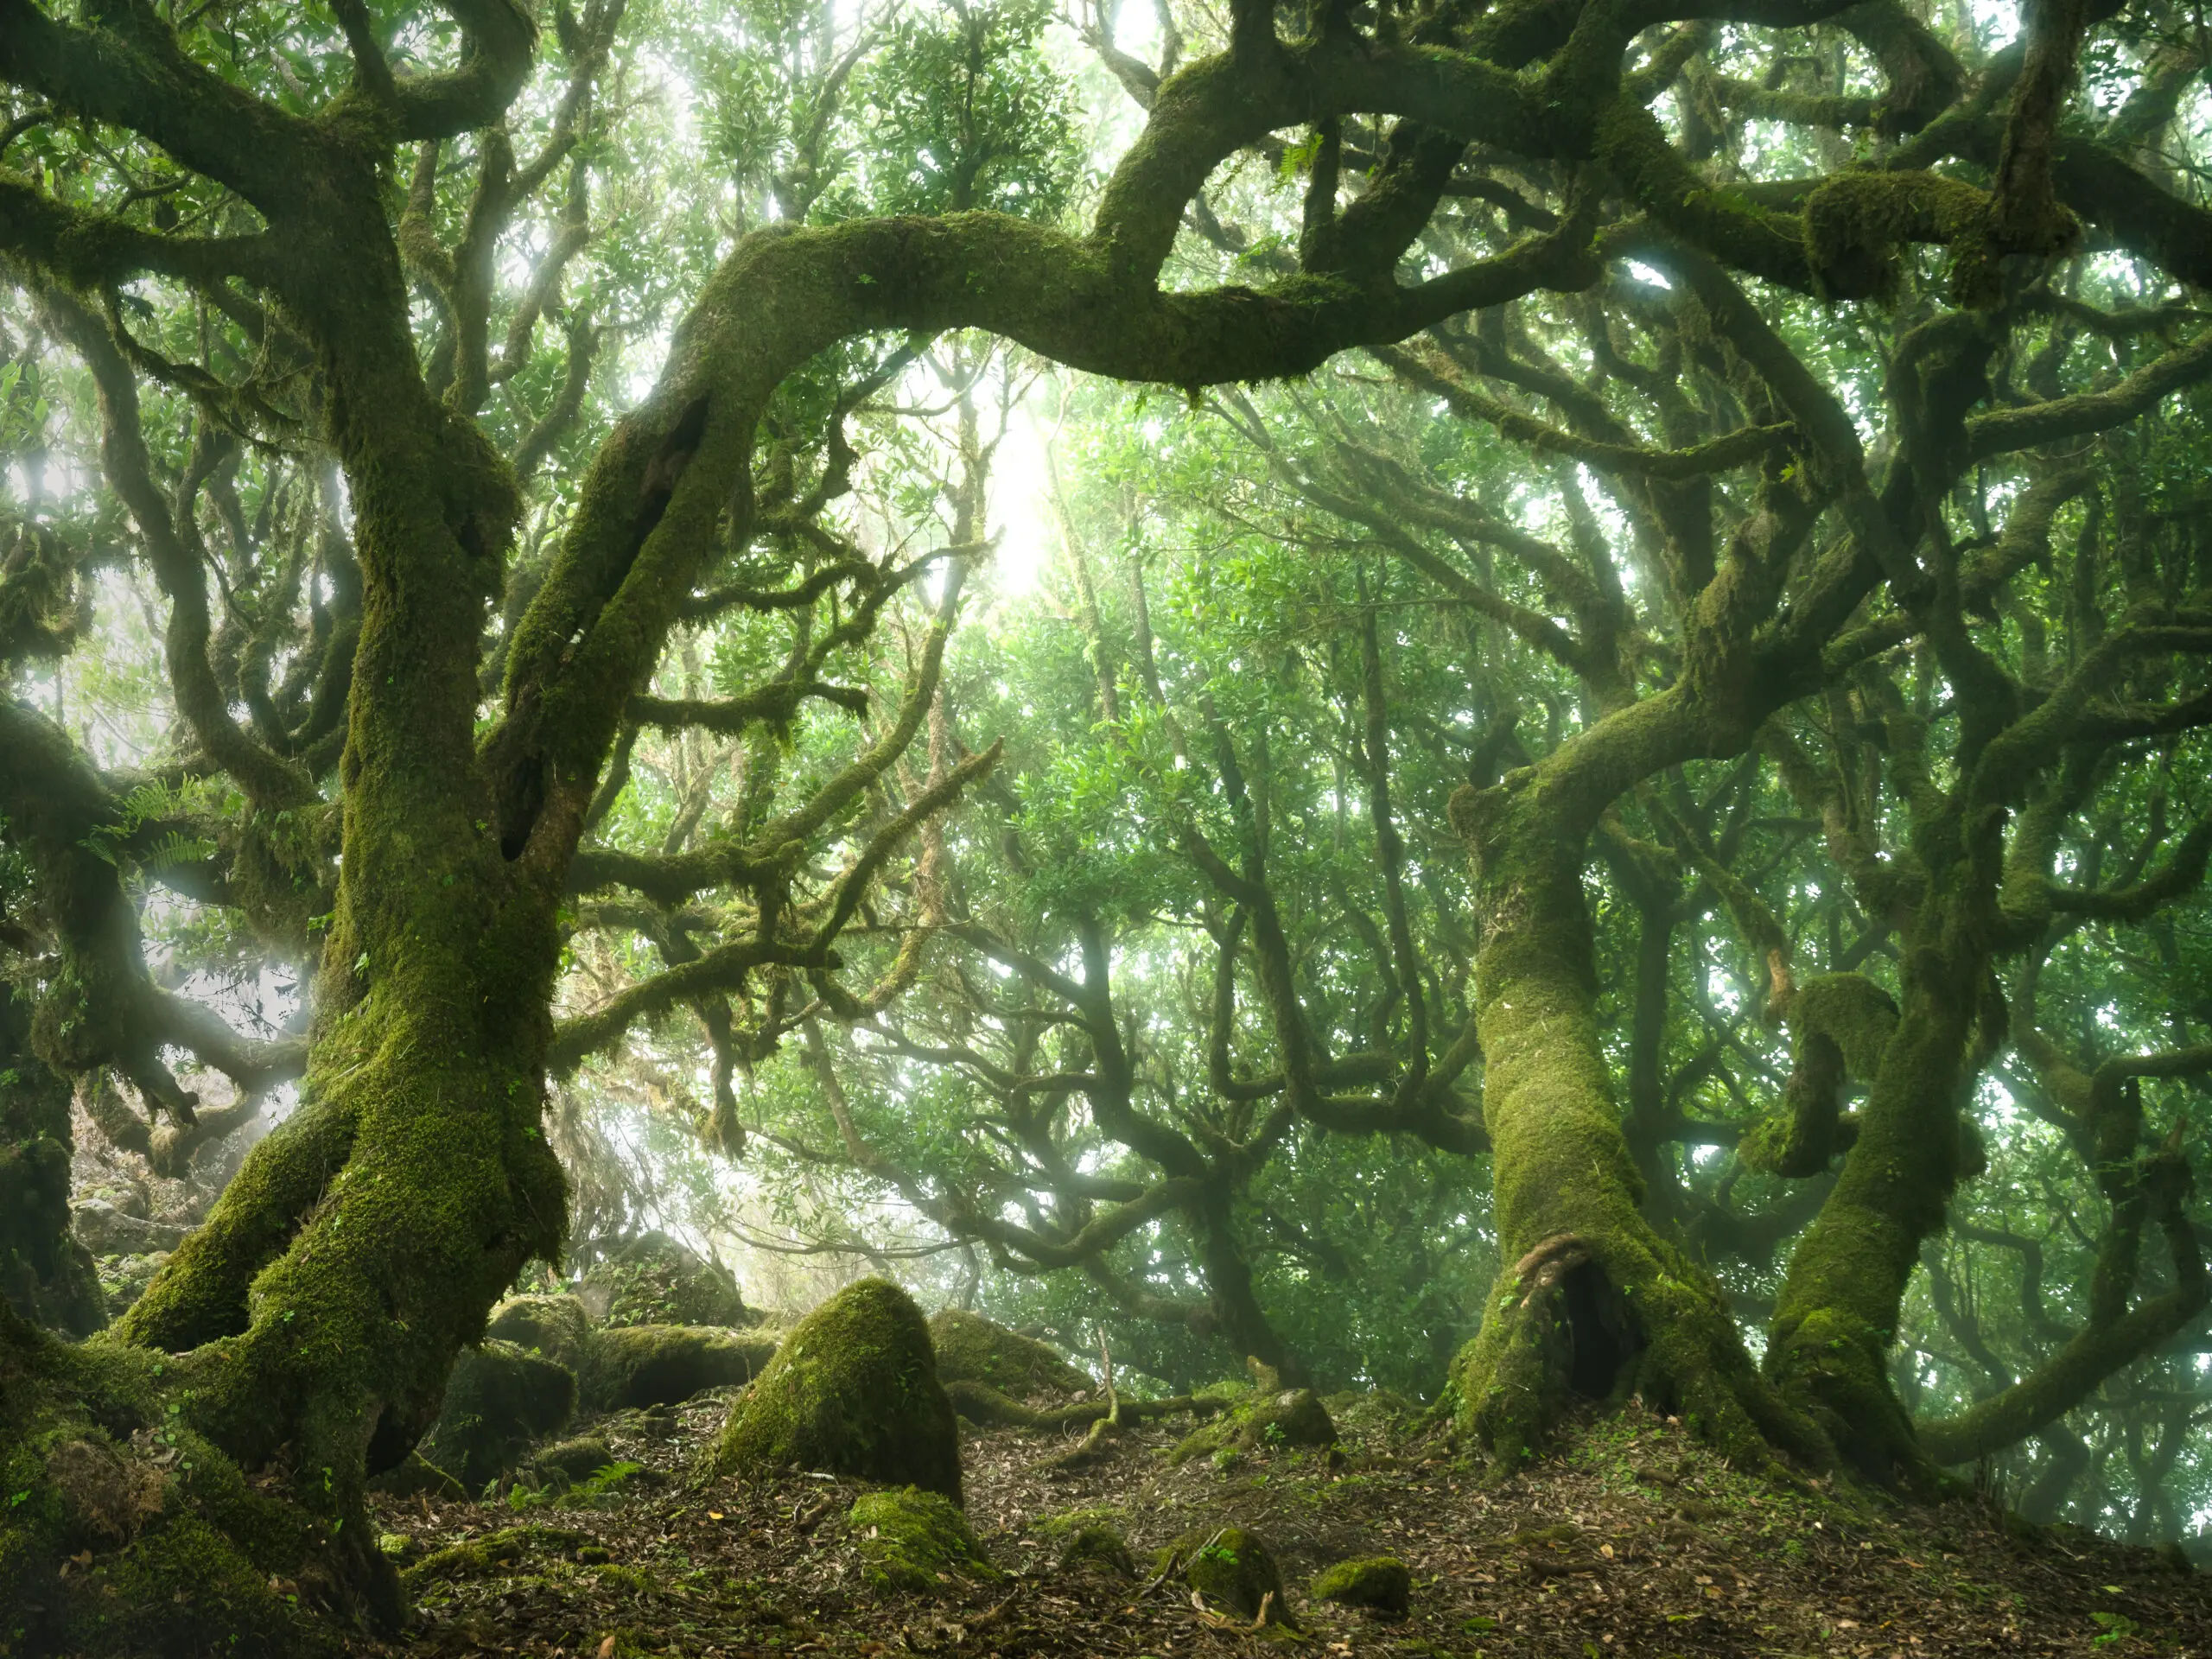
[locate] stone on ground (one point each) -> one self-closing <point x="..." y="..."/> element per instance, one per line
<point x="644" y="1365"/>
<point x="1231" y="1568"/>
<point x="500" y="1400"/>
<point x="972" y="1349"/>
<point x="916" y="1542"/>
<point x="1381" y="1582"/>
<point x="853" y="1390"/>
<point x="654" y="1280"/>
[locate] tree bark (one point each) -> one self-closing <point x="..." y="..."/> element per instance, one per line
<point x="1591" y="1301"/>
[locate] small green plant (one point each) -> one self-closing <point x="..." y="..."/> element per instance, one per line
<point x="2118" y="1627"/>
<point x="602" y="1487"/>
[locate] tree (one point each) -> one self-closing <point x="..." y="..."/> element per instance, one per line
<point x="243" y="160"/>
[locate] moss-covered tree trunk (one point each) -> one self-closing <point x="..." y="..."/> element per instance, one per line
<point x="1590" y="1303"/>
<point x="45" y="1275"/>
<point x="311" y="1323"/>
<point x="1836" y="1319"/>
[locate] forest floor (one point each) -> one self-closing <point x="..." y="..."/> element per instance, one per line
<point x="1636" y="1542"/>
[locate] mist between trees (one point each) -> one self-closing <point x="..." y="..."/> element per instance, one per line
<point x="1506" y="702"/>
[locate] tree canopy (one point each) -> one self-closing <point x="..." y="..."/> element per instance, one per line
<point x="1504" y="701"/>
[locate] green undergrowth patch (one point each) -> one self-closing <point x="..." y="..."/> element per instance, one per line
<point x="499" y="1552"/>
<point x="605" y="1485"/>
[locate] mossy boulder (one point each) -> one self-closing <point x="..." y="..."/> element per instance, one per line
<point x="972" y="1349"/>
<point x="853" y="1390"/>
<point x="1263" y="1420"/>
<point x="661" y="1364"/>
<point x="1382" y="1583"/>
<point x="1291" y="1417"/>
<point x="916" y="1542"/>
<point x="570" y="1462"/>
<point x="654" y="1280"/>
<point x="557" y="1327"/>
<point x="1096" y="1544"/>
<point x="498" y="1401"/>
<point x="1231" y="1567"/>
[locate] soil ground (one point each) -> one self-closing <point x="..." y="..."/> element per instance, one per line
<point x="1636" y="1542"/>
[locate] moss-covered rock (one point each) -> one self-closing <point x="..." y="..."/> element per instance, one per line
<point x="496" y="1552"/>
<point x="1231" y="1568"/>
<point x="916" y="1542"/>
<point x="557" y="1327"/>
<point x="1097" y="1545"/>
<point x="660" y="1364"/>
<point x="653" y="1280"/>
<point x="972" y="1349"/>
<point x="852" y="1389"/>
<point x="570" y="1462"/>
<point x="1383" y="1583"/>
<point x="1263" y="1420"/>
<point x="498" y="1401"/>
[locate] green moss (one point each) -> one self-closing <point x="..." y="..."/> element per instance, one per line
<point x="1271" y="1421"/>
<point x="555" y="1326"/>
<point x="1068" y="1523"/>
<point x="661" y="1364"/>
<point x="1096" y="1544"/>
<point x="1855" y="221"/>
<point x="498" y="1401"/>
<point x="653" y="1280"/>
<point x="1231" y="1568"/>
<point x="495" y="1551"/>
<point x="1382" y="1582"/>
<point x="572" y="1460"/>
<point x="185" y="1589"/>
<point x="915" y="1541"/>
<point x="972" y="1349"/>
<point x="854" y="1390"/>
<point x="45" y="1273"/>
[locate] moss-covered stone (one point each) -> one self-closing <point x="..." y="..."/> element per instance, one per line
<point x="1383" y="1583"/>
<point x="972" y="1349"/>
<point x="916" y="1542"/>
<point x="1231" y="1568"/>
<point x="660" y="1364"/>
<point x="654" y="1280"/>
<point x="1097" y="1545"/>
<point x="557" y="1327"/>
<point x="572" y="1461"/>
<point x="853" y="1389"/>
<point x="1263" y="1421"/>
<point x="498" y="1401"/>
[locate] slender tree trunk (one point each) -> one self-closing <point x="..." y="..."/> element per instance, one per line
<point x="1229" y="1284"/>
<point x="1836" y="1319"/>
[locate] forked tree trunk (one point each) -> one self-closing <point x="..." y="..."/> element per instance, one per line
<point x="1591" y="1302"/>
